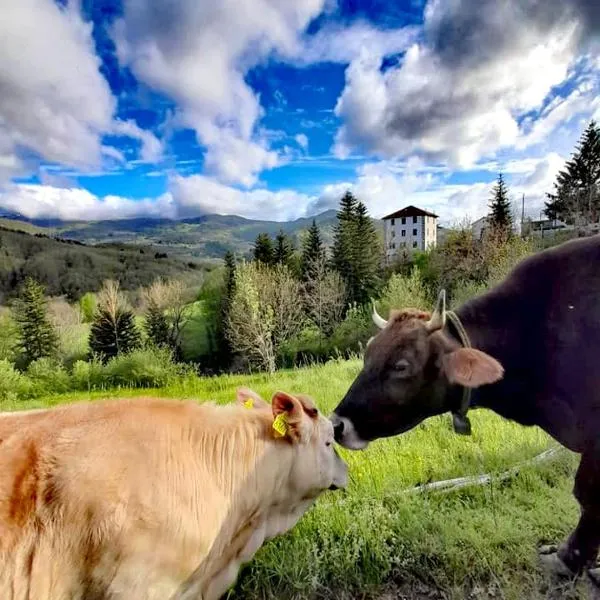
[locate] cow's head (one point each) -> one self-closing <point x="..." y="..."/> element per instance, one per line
<point x="316" y="466"/>
<point x="408" y="367"/>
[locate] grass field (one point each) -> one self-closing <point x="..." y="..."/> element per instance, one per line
<point x="374" y="541"/>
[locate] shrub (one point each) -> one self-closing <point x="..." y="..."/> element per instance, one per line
<point x="88" y="375"/>
<point x="153" y="367"/>
<point x="9" y="337"/>
<point x="47" y="374"/>
<point x="404" y="292"/>
<point x="354" y="331"/>
<point x="13" y="384"/>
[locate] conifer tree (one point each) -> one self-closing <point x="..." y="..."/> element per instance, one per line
<point x="263" y="249"/>
<point x="284" y="249"/>
<point x="500" y="217"/>
<point x="344" y="237"/>
<point x="38" y="338"/>
<point x="113" y="330"/>
<point x="313" y="251"/>
<point x="367" y="257"/>
<point x="576" y="197"/>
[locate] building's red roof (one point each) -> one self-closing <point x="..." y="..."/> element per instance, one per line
<point x="410" y="211"/>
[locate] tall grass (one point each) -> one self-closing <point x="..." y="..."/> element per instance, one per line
<point x="473" y="543"/>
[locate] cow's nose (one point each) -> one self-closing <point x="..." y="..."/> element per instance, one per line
<point x="338" y="427"/>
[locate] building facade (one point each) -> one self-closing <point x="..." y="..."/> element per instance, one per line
<point x="410" y="228"/>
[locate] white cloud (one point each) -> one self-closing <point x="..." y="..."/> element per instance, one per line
<point x="302" y="141"/>
<point x="46" y="201"/>
<point x="343" y="43"/>
<point x="457" y="93"/>
<point x="54" y="101"/>
<point x="198" y="194"/>
<point x="197" y="53"/>
<point x="151" y="147"/>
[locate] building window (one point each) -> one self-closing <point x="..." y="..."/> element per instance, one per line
<point x="414" y="232"/>
<point x="414" y="244"/>
<point x="393" y="233"/>
<point x="403" y="234"/>
<point x="394" y="246"/>
<point x="414" y="219"/>
<point x="403" y="220"/>
<point x="393" y="222"/>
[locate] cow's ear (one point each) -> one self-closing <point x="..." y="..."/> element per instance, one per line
<point x="471" y="368"/>
<point x="289" y="420"/>
<point x="249" y="398"/>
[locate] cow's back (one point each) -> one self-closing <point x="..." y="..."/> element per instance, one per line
<point x="82" y="502"/>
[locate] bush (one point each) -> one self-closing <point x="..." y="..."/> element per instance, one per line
<point x="88" y="375"/>
<point x="13" y="384"/>
<point x="352" y="334"/>
<point x="153" y="367"/>
<point x="404" y="292"/>
<point x="47" y="374"/>
<point x="9" y="337"/>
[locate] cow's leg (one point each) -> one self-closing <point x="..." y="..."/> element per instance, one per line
<point x="580" y="550"/>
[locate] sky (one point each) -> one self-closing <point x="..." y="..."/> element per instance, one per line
<point x="272" y="109"/>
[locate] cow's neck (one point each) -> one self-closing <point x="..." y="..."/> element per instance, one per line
<point x="494" y="328"/>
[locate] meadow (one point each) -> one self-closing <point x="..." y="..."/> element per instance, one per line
<point x="376" y="540"/>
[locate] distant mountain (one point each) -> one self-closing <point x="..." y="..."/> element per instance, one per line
<point x="203" y="237"/>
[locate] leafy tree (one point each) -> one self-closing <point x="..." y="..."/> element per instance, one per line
<point x="166" y="309"/>
<point x="87" y="306"/>
<point x="284" y="249"/>
<point x="263" y="249"/>
<point x="500" y="217"/>
<point x="576" y="197"/>
<point x="38" y="338"/>
<point x="265" y="312"/>
<point x="113" y="330"/>
<point x="313" y="252"/>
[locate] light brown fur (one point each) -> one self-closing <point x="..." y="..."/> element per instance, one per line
<point x="146" y="499"/>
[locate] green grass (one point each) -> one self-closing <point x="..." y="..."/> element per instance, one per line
<point x="374" y="538"/>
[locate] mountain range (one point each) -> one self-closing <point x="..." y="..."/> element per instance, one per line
<point x="201" y="238"/>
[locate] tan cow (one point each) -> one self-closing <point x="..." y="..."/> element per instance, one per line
<point x="154" y="499"/>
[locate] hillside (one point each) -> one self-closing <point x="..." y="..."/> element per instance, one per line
<point x="72" y="268"/>
<point x="205" y="237"/>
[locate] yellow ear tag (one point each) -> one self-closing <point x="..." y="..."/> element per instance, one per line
<point x="249" y="403"/>
<point x="280" y="425"/>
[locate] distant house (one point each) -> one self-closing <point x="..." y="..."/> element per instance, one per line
<point x="411" y="228"/>
<point x="478" y="227"/>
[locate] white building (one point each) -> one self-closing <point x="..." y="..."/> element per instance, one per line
<point x="478" y="227"/>
<point x="411" y="228"/>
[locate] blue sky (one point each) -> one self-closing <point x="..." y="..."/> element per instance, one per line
<point x="123" y="108"/>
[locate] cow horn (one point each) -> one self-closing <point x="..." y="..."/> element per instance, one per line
<point x="438" y="318"/>
<point x="379" y="321"/>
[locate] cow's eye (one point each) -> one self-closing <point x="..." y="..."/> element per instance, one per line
<point x="402" y="366"/>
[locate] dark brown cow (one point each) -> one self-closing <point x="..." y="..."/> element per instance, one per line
<point x="529" y="349"/>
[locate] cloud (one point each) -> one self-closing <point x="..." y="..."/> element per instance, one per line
<point x="198" y="53"/>
<point x="197" y="195"/>
<point x="302" y="141"/>
<point x="341" y="43"/>
<point x="151" y="147"/>
<point x="53" y="100"/>
<point x="68" y="204"/>
<point x="458" y="93"/>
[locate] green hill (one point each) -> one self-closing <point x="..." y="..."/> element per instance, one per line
<point x="73" y="268"/>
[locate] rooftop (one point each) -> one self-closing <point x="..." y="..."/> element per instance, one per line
<point x="410" y="211"/>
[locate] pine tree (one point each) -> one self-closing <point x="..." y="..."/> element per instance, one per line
<point x="38" y="338"/>
<point x="500" y="217"/>
<point x="284" y="249"/>
<point x="344" y="237"/>
<point x="156" y="325"/>
<point x="367" y="257"/>
<point x="313" y="251"/>
<point x="577" y="188"/>
<point x="113" y="330"/>
<point x="263" y="249"/>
